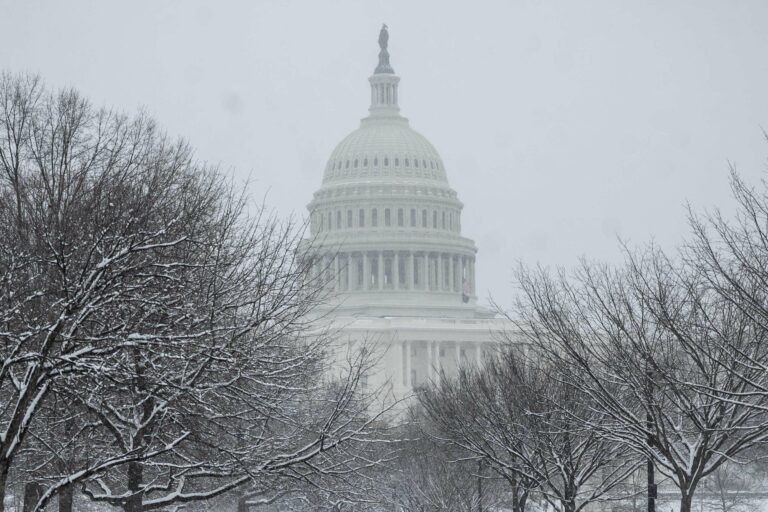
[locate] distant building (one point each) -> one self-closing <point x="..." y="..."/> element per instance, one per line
<point x="387" y="229"/>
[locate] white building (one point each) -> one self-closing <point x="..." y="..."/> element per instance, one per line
<point x="387" y="226"/>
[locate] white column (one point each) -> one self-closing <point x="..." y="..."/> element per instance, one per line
<point x="407" y="345"/>
<point x="472" y="275"/>
<point x="458" y="354"/>
<point x="336" y="273"/>
<point x="403" y="363"/>
<point x="451" y="275"/>
<point x="478" y="354"/>
<point x="439" y="271"/>
<point x="430" y="275"/>
<point x="427" y="271"/>
<point x="431" y="360"/>
<point x="349" y="271"/>
<point x="420" y="265"/>
<point x="436" y="360"/>
<point x="457" y="275"/>
<point x="411" y="274"/>
<point x="396" y="270"/>
<point x="380" y="269"/>
<point x="456" y="269"/>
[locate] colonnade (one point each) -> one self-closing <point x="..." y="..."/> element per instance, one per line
<point x="384" y="94"/>
<point x="421" y="360"/>
<point x="399" y="270"/>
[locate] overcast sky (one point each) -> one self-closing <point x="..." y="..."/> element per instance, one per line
<point x="562" y="125"/>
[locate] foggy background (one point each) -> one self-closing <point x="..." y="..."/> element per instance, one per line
<point x="562" y="125"/>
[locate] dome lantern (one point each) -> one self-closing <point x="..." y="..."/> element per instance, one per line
<point x="384" y="82"/>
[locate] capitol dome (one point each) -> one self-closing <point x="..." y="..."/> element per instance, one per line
<point x="386" y="225"/>
<point x="384" y="148"/>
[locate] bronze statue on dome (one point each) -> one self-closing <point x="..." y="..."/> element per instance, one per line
<point x="384" y="66"/>
<point x="383" y="37"/>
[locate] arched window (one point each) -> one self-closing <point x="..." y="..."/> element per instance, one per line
<point x="338" y="219"/>
<point x="361" y="219"/>
<point x="349" y="218"/>
<point x="329" y="221"/>
<point x="375" y="162"/>
<point x="365" y="162"/>
<point x="437" y="165"/>
<point x="423" y="218"/>
<point x="443" y="220"/>
<point x="387" y="217"/>
<point x="400" y="217"/>
<point x="413" y="217"/>
<point x="355" y="163"/>
<point x="416" y="161"/>
<point x="432" y="164"/>
<point x="434" y="219"/>
<point x="386" y="161"/>
<point x="424" y="163"/>
<point x="347" y="165"/>
<point x="397" y="162"/>
<point x="374" y="217"/>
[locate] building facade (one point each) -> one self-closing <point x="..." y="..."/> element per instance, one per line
<point x="386" y="229"/>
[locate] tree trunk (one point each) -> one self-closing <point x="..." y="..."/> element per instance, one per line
<point x="521" y="501"/>
<point x="3" y="481"/>
<point x="650" y="465"/>
<point x="651" y="490"/>
<point x="519" y="495"/>
<point x="65" y="498"/>
<point x="515" y="496"/>
<point x="135" y="478"/>
<point x="569" y="503"/>
<point x="685" y="502"/>
<point x="32" y="493"/>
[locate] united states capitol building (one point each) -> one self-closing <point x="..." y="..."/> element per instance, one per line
<point x="386" y="227"/>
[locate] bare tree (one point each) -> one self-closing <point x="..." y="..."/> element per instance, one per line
<point x="730" y="255"/>
<point x="652" y="346"/>
<point x="137" y="288"/>
<point x="733" y="488"/>
<point x="520" y="417"/>
<point x="432" y="475"/>
<point x="68" y="257"/>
